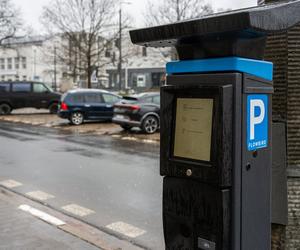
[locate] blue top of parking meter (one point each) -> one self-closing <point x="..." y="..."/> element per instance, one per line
<point x="257" y="68"/>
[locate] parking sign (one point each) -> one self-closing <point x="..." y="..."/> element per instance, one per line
<point x="257" y="122"/>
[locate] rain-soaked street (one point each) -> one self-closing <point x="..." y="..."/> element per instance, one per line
<point x="110" y="183"/>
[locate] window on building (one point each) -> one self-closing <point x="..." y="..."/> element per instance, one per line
<point x="157" y="79"/>
<point x="21" y="87"/>
<point x="2" y="63"/>
<point x="9" y="63"/>
<point x="17" y="78"/>
<point x="141" y="81"/>
<point x="24" y="64"/>
<point x="17" y="62"/>
<point x="3" y="78"/>
<point x="4" y="87"/>
<point x="107" y="53"/>
<point x="24" y="78"/>
<point x="144" y="51"/>
<point x="39" y="88"/>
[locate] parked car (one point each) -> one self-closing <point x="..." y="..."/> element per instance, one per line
<point x="139" y="111"/>
<point x="15" y="95"/>
<point x="87" y="104"/>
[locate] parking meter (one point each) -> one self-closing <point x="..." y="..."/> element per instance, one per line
<point x="216" y="128"/>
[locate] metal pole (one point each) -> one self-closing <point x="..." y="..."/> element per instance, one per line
<point x="34" y="65"/>
<point x="120" y="47"/>
<point x="54" y="68"/>
<point x="126" y="78"/>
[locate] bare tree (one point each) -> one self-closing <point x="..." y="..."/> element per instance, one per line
<point x="86" y="29"/>
<point x="9" y="20"/>
<point x="170" y="11"/>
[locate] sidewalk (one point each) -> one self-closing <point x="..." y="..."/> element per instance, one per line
<point x="28" y="225"/>
<point x="20" y="230"/>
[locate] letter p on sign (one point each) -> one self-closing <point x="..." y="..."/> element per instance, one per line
<point x="257" y="122"/>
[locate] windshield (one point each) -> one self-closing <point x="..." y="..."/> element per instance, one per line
<point x="48" y="87"/>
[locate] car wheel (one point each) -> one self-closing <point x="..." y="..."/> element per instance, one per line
<point x="150" y="124"/>
<point x="76" y="118"/>
<point x="5" y="109"/>
<point x="125" y="127"/>
<point x="53" y="108"/>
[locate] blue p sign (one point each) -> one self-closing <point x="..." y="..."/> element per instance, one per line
<point x="257" y="122"/>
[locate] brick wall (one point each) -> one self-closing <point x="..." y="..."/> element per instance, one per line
<point x="293" y="230"/>
<point x="284" y="51"/>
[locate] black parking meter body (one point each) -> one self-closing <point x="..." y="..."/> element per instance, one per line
<point x="216" y="138"/>
<point x="222" y="202"/>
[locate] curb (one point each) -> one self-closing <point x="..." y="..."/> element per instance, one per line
<point x="100" y="237"/>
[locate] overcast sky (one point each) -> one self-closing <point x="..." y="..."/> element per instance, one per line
<point x="32" y="9"/>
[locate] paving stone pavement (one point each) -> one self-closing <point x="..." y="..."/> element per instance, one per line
<point x="22" y="231"/>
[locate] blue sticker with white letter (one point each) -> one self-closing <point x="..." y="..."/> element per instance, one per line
<point x="257" y="122"/>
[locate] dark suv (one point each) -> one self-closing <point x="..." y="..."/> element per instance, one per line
<point x="15" y="95"/>
<point x="87" y="104"/>
<point x="139" y="111"/>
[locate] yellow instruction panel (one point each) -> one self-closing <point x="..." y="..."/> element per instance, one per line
<point x="193" y="128"/>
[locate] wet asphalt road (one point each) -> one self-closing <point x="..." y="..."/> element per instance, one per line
<point x="118" y="180"/>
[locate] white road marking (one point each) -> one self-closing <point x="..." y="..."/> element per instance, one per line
<point x="41" y="215"/>
<point x="78" y="210"/>
<point x="149" y="141"/>
<point x="128" y="138"/>
<point x="126" y="229"/>
<point x="10" y="183"/>
<point x="40" y="195"/>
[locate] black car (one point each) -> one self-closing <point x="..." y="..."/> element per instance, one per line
<point x="139" y="111"/>
<point x="15" y="95"/>
<point x="87" y="104"/>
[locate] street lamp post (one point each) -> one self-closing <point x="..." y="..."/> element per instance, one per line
<point x="120" y="47"/>
<point x="54" y="63"/>
<point x="120" y="43"/>
<point x="34" y="65"/>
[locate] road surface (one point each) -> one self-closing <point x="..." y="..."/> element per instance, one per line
<point x="110" y="183"/>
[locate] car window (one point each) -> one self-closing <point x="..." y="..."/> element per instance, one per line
<point x="39" y="88"/>
<point x="93" y="98"/>
<point x="147" y="100"/>
<point x="21" y="87"/>
<point x="4" y="87"/>
<point x="156" y="99"/>
<point x="65" y="97"/>
<point x="110" y="98"/>
<point x="76" y="98"/>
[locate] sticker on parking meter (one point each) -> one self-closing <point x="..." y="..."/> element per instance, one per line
<point x="193" y="129"/>
<point x="257" y="122"/>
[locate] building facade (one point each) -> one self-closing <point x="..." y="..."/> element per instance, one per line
<point x="56" y="62"/>
<point x="19" y="59"/>
<point x="23" y="59"/>
<point x="142" y="68"/>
